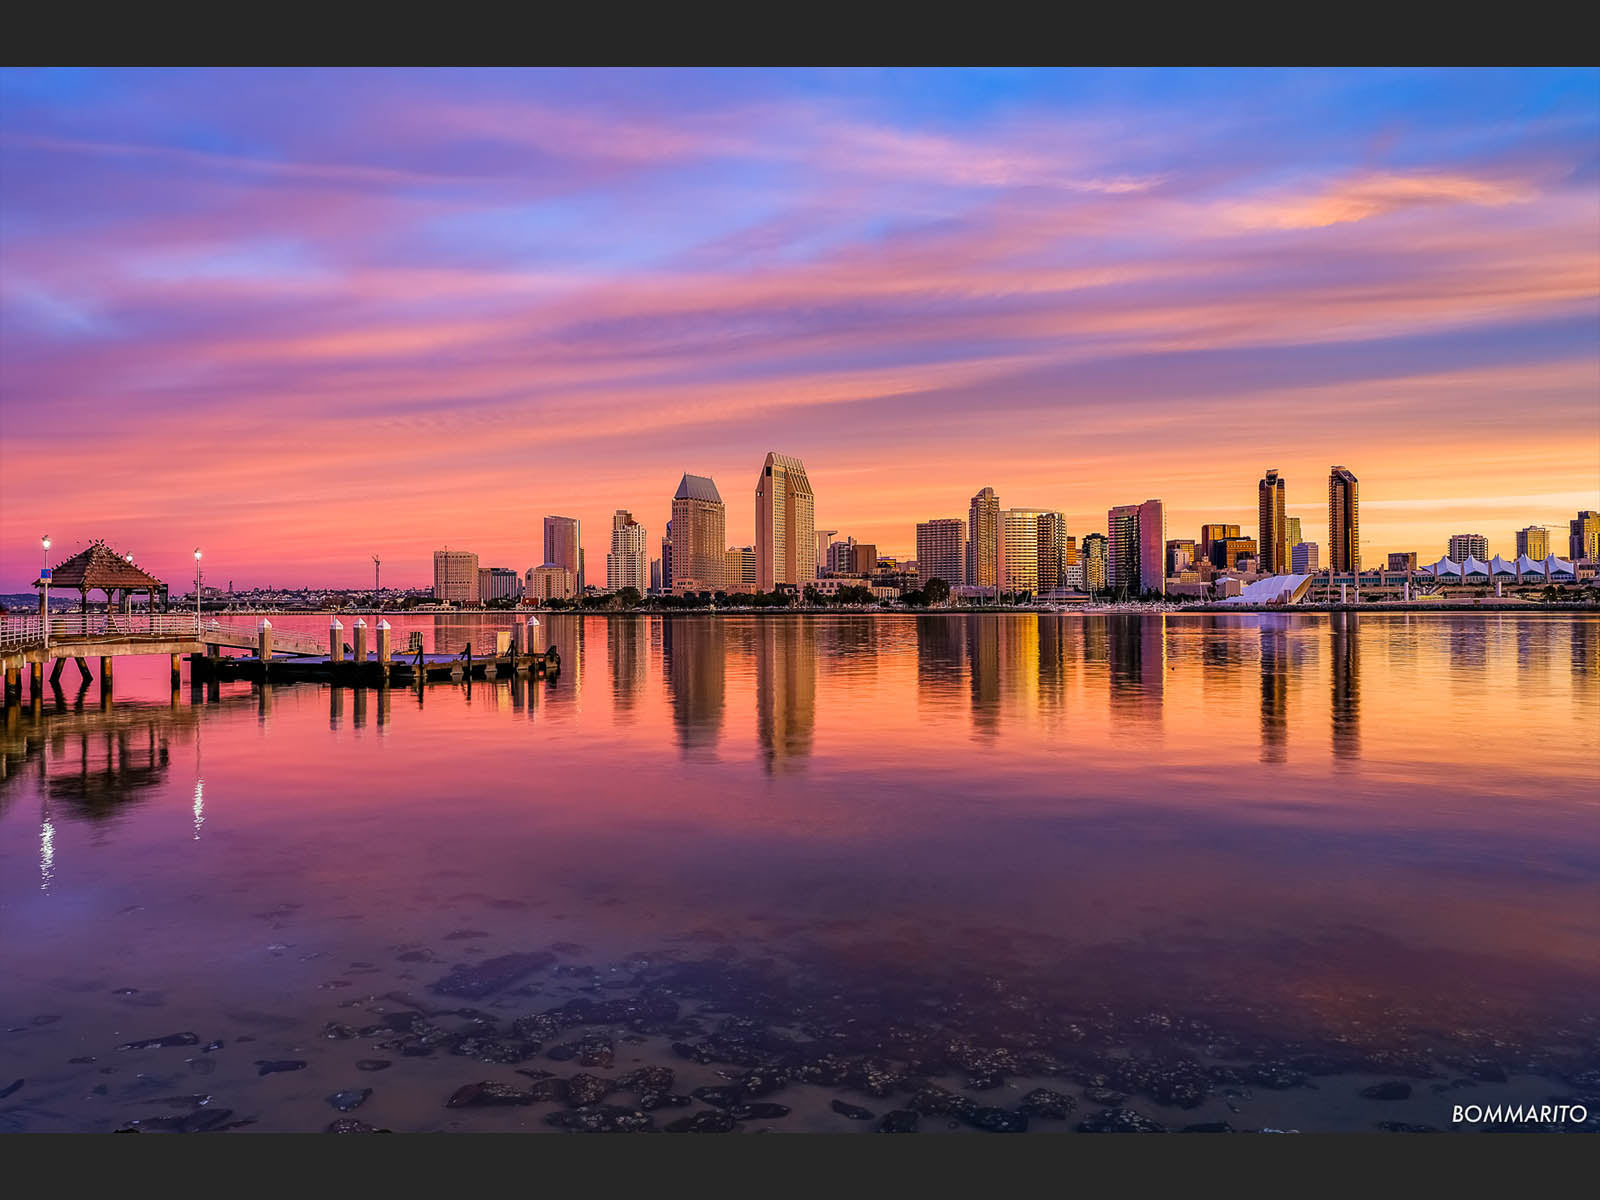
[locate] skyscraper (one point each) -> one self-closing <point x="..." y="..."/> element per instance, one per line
<point x="1583" y="536"/>
<point x="1211" y="538"/>
<point x="1271" y="534"/>
<point x="786" y="533"/>
<point x="563" y="546"/>
<point x="983" y="539"/>
<point x="1463" y="544"/>
<point x="1344" y="522"/>
<point x="1136" y="556"/>
<point x="1095" y="553"/>
<point x="627" y="565"/>
<point x="699" y="536"/>
<point x="1053" y="542"/>
<point x="1291" y="532"/>
<point x="1534" y="541"/>
<point x="455" y="576"/>
<point x="666" y="561"/>
<point x="941" y="550"/>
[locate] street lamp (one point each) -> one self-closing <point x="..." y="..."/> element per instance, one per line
<point x="44" y="578"/>
<point x="197" y="593"/>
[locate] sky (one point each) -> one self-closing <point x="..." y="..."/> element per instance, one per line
<point x="298" y="318"/>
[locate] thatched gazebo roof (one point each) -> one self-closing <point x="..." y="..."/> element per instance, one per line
<point x="101" y="568"/>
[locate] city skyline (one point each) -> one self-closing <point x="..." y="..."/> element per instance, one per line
<point x="914" y="282"/>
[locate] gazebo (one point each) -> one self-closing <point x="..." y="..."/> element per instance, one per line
<point x="102" y="569"/>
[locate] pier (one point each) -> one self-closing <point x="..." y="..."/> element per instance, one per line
<point x="36" y="647"/>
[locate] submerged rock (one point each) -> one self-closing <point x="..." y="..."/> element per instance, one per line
<point x="272" y="1066"/>
<point x="491" y="976"/>
<point x="488" y="1093"/>
<point x="586" y="1089"/>
<point x="901" y="1120"/>
<point x="602" y="1119"/>
<point x="997" y="1120"/>
<point x="351" y="1125"/>
<point x="705" y="1121"/>
<point x="1042" y="1102"/>
<point x="172" y="1039"/>
<point x="1390" y="1090"/>
<point x="853" y="1111"/>
<point x="1120" y="1120"/>
<point x="350" y="1099"/>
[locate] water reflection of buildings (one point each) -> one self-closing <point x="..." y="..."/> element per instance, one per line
<point x="1346" y="648"/>
<point x="693" y="653"/>
<point x="1274" y="690"/>
<point x="786" y="690"/>
<point x="627" y="657"/>
<point x="1136" y="660"/>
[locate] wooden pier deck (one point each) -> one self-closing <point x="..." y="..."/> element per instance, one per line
<point x="409" y="670"/>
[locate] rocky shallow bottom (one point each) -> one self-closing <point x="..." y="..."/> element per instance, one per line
<point x="685" y="1041"/>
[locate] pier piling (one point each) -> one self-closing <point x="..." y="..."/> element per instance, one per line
<point x="336" y="640"/>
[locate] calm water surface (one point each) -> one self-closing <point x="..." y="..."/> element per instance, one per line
<point x="1186" y="839"/>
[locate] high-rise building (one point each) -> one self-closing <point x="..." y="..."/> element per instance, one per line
<point x="841" y="556"/>
<point x="983" y="539"/>
<point x="563" y="546"/>
<point x="455" y="576"/>
<point x="1180" y="555"/>
<point x="666" y="561"/>
<point x="1344" y="521"/>
<point x="786" y="534"/>
<point x="498" y="583"/>
<point x="1303" y="558"/>
<point x="1053" y="539"/>
<point x="1096" y="550"/>
<point x="655" y="577"/>
<point x="1534" y="541"/>
<point x="824" y="540"/>
<point x="1231" y="552"/>
<point x="942" y="550"/>
<point x="1136" y="558"/>
<point x="740" y="569"/>
<point x="627" y="563"/>
<point x="1404" y="560"/>
<point x="1291" y="531"/>
<point x="863" y="558"/>
<point x="1211" y="538"/>
<point x="1030" y="545"/>
<point x="549" y="582"/>
<point x="699" y="536"/>
<point x="1583" y="536"/>
<point x="1271" y="533"/>
<point x="1463" y="544"/>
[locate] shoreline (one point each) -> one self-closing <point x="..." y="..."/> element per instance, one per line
<point x="1398" y="606"/>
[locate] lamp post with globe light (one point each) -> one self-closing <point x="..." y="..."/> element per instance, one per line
<point x="197" y="593"/>
<point x="44" y="579"/>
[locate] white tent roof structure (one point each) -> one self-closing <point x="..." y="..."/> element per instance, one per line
<point x="1527" y="566"/>
<point x="1554" y="564"/>
<point x="1474" y="566"/>
<point x="1276" y="589"/>
<point x="1499" y="566"/>
<point x="1445" y="566"/>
